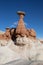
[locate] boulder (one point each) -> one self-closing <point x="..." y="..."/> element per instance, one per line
<point x="22" y="40"/>
<point x="18" y="36"/>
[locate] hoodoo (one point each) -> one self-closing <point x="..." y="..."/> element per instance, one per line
<point x="21" y="29"/>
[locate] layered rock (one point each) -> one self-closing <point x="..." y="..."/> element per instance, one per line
<point x="32" y="33"/>
<point x="21" y="30"/>
<point x="7" y="33"/>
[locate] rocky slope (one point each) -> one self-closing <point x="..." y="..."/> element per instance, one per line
<point x="33" y="50"/>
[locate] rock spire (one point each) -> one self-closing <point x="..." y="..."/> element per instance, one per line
<point x="21" y="29"/>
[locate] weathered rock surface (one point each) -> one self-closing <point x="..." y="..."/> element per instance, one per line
<point x="7" y="55"/>
<point x="18" y="62"/>
<point x="32" y="32"/>
<point x="33" y="50"/>
<point x="3" y="42"/>
<point x="24" y="62"/>
<point x="21" y="29"/>
<point x="7" y="33"/>
<point x="21" y="26"/>
<point x="22" y="40"/>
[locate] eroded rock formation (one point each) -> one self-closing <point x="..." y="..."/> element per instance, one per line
<point x="6" y="35"/>
<point x="21" y="29"/>
<point x="20" y="33"/>
<point x="32" y="33"/>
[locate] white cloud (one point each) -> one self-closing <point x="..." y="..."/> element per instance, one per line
<point x="14" y="24"/>
<point x="25" y="23"/>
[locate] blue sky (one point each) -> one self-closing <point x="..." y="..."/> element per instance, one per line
<point x="33" y="18"/>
